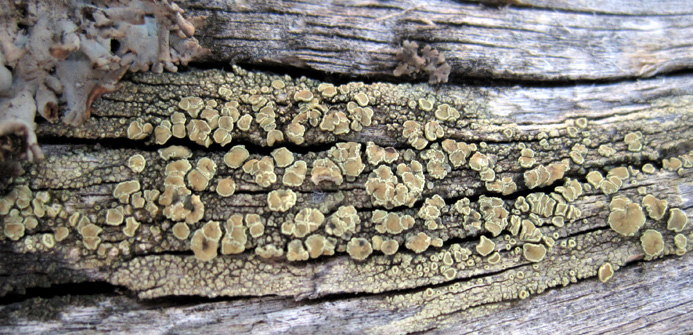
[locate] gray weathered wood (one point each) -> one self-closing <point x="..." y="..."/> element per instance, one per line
<point x="161" y="288"/>
<point x="581" y="40"/>
<point x="644" y="299"/>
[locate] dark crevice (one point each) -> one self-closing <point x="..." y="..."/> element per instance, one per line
<point x="183" y="301"/>
<point x="97" y="144"/>
<point x="287" y="66"/>
<point x="266" y="191"/>
<point x="296" y="149"/>
<point x="678" y="150"/>
<point x="524" y="192"/>
<point x="145" y="146"/>
<point x="417" y="205"/>
<point x="341" y="296"/>
<point x="494" y="5"/>
<point x="471" y="239"/>
<point x="412" y="290"/>
<point x="73" y="289"/>
<point x="185" y="253"/>
<point x="425" y="330"/>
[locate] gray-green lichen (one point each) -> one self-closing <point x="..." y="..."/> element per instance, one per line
<point x="298" y="185"/>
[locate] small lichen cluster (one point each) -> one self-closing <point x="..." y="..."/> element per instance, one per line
<point x="430" y="61"/>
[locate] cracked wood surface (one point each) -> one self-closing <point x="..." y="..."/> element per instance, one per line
<point x="154" y="263"/>
<point x="406" y="292"/>
<point x="537" y="40"/>
<point x="592" y="311"/>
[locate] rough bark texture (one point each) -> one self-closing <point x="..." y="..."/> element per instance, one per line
<point x="543" y="170"/>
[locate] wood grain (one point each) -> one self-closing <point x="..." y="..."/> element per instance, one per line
<point x="563" y="41"/>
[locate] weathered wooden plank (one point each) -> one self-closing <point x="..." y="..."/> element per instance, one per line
<point x="566" y="41"/>
<point x="624" y="7"/>
<point x="437" y="279"/>
<point x="652" y="297"/>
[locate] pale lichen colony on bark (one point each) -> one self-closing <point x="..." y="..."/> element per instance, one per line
<point x="375" y="187"/>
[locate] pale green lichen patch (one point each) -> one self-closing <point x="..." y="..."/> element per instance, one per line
<point x="283" y="157"/>
<point x="226" y="187"/>
<point x="348" y="157"/>
<point x="359" y="248"/>
<point x="577" y="153"/>
<point x="296" y="251"/>
<point x="138" y="130"/>
<point x="485" y="246"/>
<point x="389" y="247"/>
<point x="137" y="163"/>
<point x="533" y="252"/>
<point x="61" y="233"/>
<point x="343" y="222"/>
<point x="235" y="238"/>
<point x="681" y="243"/>
<point x="648" y="168"/>
<point x="606" y="271"/>
<point x="392" y="223"/>
<point x="14" y="228"/>
<point x="205" y="241"/>
<point x="377" y="154"/>
<point x="652" y="242"/>
<point x="262" y="171"/>
<point x="606" y="150"/>
<point x="295" y="174"/>
<point x="325" y="170"/>
<point x="131" y="225"/>
<point x="445" y="112"/>
<point x="633" y="140"/>
<point x="115" y="216"/>
<point x="625" y="217"/>
<point x="306" y="222"/>
<point x="123" y="190"/>
<point x="281" y="200"/>
<point x="418" y="243"/>
<point x="236" y="156"/>
<point x="181" y="231"/>
<point x="545" y="175"/>
<point x="318" y="245"/>
<point x="400" y="197"/>
<point x="655" y="208"/>
<point x="595" y="179"/>
<point x="677" y="220"/>
<point x="526" y="159"/>
<point x="672" y="164"/>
